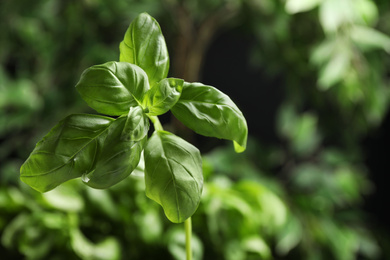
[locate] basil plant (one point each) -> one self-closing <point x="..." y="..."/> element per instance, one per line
<point x="104" y="150"/>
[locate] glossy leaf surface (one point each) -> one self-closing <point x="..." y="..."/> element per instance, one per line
<point x="87" y="146"/>
<point x="116" y="159"/>
<point x="209" y="112"/>
<point x="173" y="175"/>
<point x="159" y="99"/>
<point x="111" y="88"/>
<point x="144" y="45"/>
<point x="66" y="152"/>
<point x="136" y="126"/>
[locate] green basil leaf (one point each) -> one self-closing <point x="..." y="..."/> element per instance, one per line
<point x="144" y="45"/>
<point x="111" y="88"/>
<point x="173" y="175"/>
<point x="66" y="152"/>
<point x="159" y="99"/>
<point x="136" y="126"/>
<point x="209" y="112"/>
<point x="116" y="159"/>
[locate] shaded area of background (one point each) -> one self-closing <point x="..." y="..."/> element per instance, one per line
<point x="312" y="78"/>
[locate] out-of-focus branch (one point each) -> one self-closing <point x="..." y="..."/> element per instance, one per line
<point x="194" y="37"/>
<point x="204" y="36"/>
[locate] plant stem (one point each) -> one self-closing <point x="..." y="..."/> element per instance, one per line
<point x="188" y="229"/>
<point x="156" y="123"/>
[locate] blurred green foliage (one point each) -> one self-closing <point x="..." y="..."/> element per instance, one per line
<point x="299" y="198"/>
<point x="244" y="214"/>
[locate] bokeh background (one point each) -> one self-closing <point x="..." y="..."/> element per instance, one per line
<point x="312" y="78"/>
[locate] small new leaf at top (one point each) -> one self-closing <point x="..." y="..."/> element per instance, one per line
<point x="162" y="97"/>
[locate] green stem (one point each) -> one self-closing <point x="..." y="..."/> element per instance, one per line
<point x="188" y="229"/>
<point x="156" y="123"/>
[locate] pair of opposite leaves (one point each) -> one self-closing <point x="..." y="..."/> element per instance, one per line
<point x="103" y="150"/>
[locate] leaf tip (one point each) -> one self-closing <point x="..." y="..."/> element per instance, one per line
<point x="238" y="148"/>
